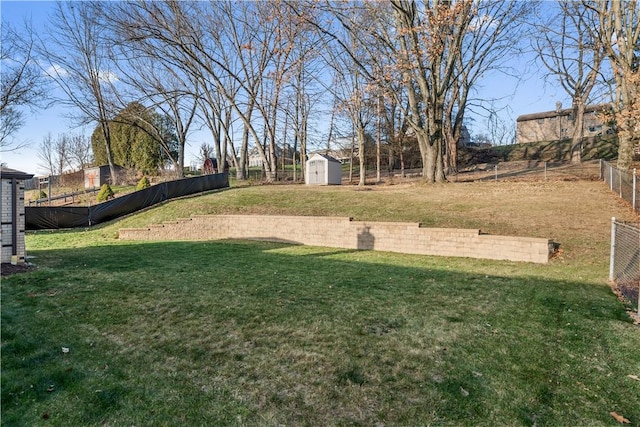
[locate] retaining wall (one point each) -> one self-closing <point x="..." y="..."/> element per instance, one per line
<point x="341" y="232"/>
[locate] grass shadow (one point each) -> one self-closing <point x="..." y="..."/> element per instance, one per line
<point x="232" y="332"/>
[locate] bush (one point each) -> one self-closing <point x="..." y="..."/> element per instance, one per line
<point x="42" y="195"/>
<point x="105" y="193"/>
<point x="143" y="183"/>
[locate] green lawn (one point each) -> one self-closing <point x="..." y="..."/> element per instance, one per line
<point x="254" y="333"/>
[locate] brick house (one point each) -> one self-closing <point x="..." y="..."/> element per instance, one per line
<point x="558" y="124"/>
<point x="13" y="219"/>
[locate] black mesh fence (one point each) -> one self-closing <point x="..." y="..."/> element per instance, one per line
<point x="38" y="218"/>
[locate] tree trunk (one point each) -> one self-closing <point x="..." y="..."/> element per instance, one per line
<point x="361" y="155"/>
<point x="242" y="173"/>
<point x="351" y="159"/>
<point x="107" y="139"/>
<point x="578" y="132"/>
<point x="627" y="142"/>
<point x="378" y="143"/>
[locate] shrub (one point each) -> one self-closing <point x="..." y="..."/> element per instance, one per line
<point x="143" y="183"/>
<point x="105" y="193"/>
<point x="42" y="195"/>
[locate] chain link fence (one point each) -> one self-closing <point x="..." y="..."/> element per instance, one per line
<point x="623" y="183"/>
<point x="624" y="267"/>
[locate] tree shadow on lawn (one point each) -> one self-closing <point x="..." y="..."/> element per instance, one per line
<point x="220" y="331"/>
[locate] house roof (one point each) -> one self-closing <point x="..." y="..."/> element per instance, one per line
<point x="562" y="112"/>
<point x="8" y="173"/>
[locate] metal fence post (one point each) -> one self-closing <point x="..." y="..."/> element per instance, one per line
<point x="610" y="177"/>
<point x="601" y="170"/>
<point x="613" y="248"/>
<point x="496" y="171"/>
<point x="620" y="182"/>
<point x="635" y="180"/>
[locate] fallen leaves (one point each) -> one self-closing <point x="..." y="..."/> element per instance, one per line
<point x="633" y="377"/>
<point x="619" y="418"/>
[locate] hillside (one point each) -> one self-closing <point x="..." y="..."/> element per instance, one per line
<point x="550" y="151"/>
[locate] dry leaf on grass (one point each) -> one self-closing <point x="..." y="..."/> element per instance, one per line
<point x="634" y="377"/>
<point x="619" y="418"/>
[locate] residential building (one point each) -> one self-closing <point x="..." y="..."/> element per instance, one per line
<point x="559" y="124"/>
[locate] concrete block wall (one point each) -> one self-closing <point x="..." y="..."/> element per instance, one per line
<point x="342" y="232"/>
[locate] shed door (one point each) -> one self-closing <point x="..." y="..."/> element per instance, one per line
<point x="316" y="172"/>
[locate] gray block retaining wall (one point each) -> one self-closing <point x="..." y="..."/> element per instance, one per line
<point x="342" y="232"/>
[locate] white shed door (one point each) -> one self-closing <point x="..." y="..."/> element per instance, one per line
<point x="316" y="172"/>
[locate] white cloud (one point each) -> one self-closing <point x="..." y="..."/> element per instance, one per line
<point x="479" y="22"/>
<point x="56" y="70"/>
<point x="108" y="76"/>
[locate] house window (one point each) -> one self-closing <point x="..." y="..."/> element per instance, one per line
<point x="553" y="119"/>
<point x="570" y="117"/>
<point x="540" y="121"/>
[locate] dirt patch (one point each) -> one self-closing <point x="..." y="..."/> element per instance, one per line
<point x="9" y="269"/>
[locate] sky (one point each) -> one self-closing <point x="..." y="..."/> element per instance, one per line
<point x="522" y="94"/>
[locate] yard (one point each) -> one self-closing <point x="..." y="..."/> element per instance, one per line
<point x="251" y="333"/>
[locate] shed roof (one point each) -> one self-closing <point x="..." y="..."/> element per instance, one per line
<point x="324" y="156"/>
<point x="8" y="173"/>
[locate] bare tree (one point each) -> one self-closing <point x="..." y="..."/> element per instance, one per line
<point x="619" y="33"/>
<point x="46" y="155"/>
<point x="501" y="132"/>
<point x="53" y="154"/>
<point x="427" y="45"/>
<point x="153" y="80"/>
<point x="76" y="58"/>
<point x="206" y="152"/>
<point x="79" y="151"/>
<point x="568" y="48"/>
<point x="221" y="47"/>
<point x="492" y="39"/>
<point x="21" y="83"/>
<point x="349" y="87"/>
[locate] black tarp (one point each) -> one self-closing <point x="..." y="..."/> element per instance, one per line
<point x="45" y="217"/>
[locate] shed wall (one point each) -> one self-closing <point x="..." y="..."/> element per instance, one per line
<point x="334" y="173"/>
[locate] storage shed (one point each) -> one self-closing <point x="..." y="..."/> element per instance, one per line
<point x="13" y="219"/>
<point x="323" y="170"/>
<point x="95" y="177"/>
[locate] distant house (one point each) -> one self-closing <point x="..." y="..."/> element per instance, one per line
<point x="255" y="159"/>
<point x="341" y="155"/>
<point x="210" y="166"/>
<point x="558" y="124"/>
<point x="13" y="216"/>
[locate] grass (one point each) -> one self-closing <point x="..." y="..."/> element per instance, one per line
<point x="254" y="333"/>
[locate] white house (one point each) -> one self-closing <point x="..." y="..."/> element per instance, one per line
<point x="323" y="170"/>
